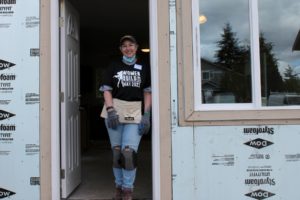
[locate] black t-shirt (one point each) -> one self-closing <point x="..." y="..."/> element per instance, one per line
<point x="127" y="81"/>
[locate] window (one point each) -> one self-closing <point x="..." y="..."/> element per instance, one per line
<point x="226" y="45"/>
<point x="279" y="25"/>
<point x="245" y="56"/>
<point x="223" y="51"/>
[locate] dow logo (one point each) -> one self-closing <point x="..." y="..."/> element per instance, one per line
<point x="5" y="65"/>
<point x="258" y="143"/>
<point x="260" y="194"/>
<point x="5" y="115"/>
<point x="5" y="193"/>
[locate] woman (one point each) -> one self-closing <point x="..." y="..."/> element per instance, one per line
<point x="127" y="89"/>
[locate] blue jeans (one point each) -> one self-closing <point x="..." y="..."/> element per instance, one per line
<point x="125" y="135"/>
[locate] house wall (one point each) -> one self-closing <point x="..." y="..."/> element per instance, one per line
<point x="183" y="147"/>
<point x="19" y="99"/>
<point x="226" y="160"/>
<point x="193" y="158"/>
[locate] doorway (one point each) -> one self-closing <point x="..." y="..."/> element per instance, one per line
<point x="102" y="23"/>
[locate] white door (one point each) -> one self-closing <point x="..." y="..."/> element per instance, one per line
<point x="70" y="118"/>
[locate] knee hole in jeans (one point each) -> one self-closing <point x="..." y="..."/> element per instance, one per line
<point x="117" y="157"/>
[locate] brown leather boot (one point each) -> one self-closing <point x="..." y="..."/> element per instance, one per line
<point x="127" y="194"/>
<point x="118" y="193"/>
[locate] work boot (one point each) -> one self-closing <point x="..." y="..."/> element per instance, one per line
<point x="118" y="193"/>
<point x="127" y="194"/>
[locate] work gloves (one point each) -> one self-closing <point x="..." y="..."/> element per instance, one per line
<point x="144" y="125"/>
<point x="113" y="121"/>
<point x="112" y="118"/>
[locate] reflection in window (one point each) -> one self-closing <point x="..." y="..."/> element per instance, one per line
<point x="225" y="51"/>
<point x="279" y="26"/>
<point x="206" y="75"/>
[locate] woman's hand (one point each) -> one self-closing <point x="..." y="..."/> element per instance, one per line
<point x="112" y="118"/>
<point x="144" y="125"/>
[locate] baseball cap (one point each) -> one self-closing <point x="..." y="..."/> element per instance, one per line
<point x="127" y="37"/>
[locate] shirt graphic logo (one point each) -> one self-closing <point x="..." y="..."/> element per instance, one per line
<point x="128" y="78"/>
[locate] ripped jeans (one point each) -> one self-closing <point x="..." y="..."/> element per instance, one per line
<point x="126" y="135"/>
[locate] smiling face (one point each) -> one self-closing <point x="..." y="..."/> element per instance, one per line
<point x="128" y="48"/>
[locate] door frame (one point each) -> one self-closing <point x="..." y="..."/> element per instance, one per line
<point x="55" y="100"/>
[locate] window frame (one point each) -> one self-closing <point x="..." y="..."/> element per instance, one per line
<point x="193" y="113"/>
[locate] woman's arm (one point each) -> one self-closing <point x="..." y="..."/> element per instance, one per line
<point x="108" y="98"/>
<point x="147" y="101"/>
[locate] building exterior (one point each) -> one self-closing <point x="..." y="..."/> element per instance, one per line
<point x="237" y="148"/>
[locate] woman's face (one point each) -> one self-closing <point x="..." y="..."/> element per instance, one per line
<point x="128" y="48"/>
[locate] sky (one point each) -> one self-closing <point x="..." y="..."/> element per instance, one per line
<point x="279" y="21"/>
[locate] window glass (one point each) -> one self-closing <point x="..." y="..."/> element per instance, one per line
<point x="279" y="26"/>
<point x="205" y="75"/>
<point x="225" y="51"/>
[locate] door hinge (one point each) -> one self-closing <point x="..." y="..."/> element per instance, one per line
<point x="61" y="21"/>
<point x="62" y="97"/>
<point x="62" y="174"/>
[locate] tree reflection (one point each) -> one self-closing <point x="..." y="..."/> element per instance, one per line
<point x="271" y="80"/>
<point x="230" y="73"/>
<point x="235" y="57"/>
